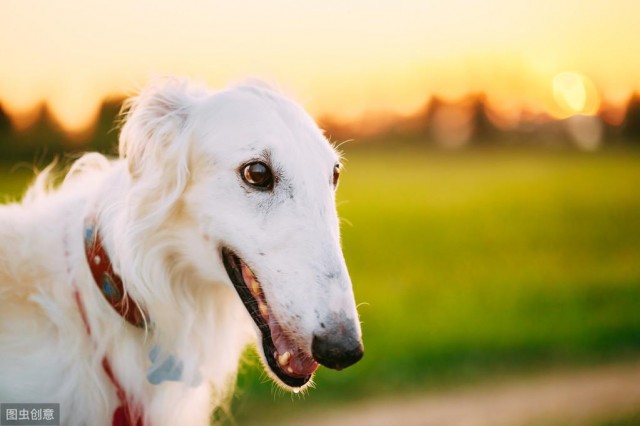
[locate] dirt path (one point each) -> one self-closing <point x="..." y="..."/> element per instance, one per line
<point x="573" y="398"/>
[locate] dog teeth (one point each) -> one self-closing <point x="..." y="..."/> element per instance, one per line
<point x="284" y="358"/>
<point x="289" y="370"/>
<point x="264" y="311"/>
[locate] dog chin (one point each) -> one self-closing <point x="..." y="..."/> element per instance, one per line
<point x="278" y="376"/>
<point x="289" y="364"/>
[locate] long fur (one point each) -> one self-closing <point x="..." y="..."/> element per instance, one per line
<point x="152" y="205"/>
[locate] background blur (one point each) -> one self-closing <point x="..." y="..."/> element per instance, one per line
<point x="491" y="198"/>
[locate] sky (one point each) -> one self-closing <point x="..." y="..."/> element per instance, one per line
<point x="339" y="58"/>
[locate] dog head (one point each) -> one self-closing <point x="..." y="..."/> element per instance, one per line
<point x="254" y="182"/>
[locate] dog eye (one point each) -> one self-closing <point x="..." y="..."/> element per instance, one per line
<point x="336" y="174"/>
<point x="258" y="175"/>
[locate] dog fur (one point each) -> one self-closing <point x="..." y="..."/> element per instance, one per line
<point x="164" y="209"/>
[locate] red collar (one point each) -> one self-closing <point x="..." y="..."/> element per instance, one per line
<point x="108" y="282"/>
<point x="110" y="285"/>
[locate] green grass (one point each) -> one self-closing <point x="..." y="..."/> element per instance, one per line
<point x="477" y="264"/>
<point x="474" y="264"/>
<point x="628" y="420"/>
<point x="14" y="181"/>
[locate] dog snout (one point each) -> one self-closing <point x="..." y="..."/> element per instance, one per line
<point x="338" y="348"/>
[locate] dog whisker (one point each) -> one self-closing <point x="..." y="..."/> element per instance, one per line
<point x="345" y="221"/>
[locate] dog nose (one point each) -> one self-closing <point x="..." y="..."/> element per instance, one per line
<point x="337" y="350"/>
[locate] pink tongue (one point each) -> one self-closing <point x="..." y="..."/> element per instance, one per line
<point x="300" y="364"/>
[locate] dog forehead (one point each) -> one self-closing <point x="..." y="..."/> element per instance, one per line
<point x="245" y="122"/>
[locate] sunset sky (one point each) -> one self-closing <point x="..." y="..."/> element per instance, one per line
<point x="342" y="58"/>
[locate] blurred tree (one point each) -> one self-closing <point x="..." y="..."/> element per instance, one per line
<point x="5" y="134"/>
<point x="45" y="139"/>
<point x="37" y="145"/>
<point x="334" y="129"/>
<point x="40" y="143"/>
<point x="484" y="131"/>
<point x="5" y="123"/>
<point x="105" y="139"/>
<point x="631" y="125"/>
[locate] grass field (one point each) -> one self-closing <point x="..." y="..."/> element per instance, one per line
<point x="14" y="179"/>
<point x="474" y="264"/>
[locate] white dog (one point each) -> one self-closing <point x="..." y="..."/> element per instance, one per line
<point x="129" y="293"/>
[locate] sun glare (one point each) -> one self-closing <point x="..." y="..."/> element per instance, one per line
<point x="574" y="94"/>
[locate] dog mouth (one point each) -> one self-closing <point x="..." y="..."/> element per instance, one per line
<point x="285" y="358"/>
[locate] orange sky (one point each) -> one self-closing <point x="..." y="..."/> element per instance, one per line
<point x="337" y="57"/>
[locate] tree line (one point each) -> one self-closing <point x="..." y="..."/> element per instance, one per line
<point x="44" y="140"/>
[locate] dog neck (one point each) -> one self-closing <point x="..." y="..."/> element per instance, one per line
<point x="108" y="282"/>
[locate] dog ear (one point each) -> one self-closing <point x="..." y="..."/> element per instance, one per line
<point x="154" y="141"/>
<point x="154" y="122"/>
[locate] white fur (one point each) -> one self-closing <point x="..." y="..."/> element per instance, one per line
<point x="165" y="208"/>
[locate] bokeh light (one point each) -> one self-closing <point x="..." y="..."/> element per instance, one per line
<point x="574" y="94"/>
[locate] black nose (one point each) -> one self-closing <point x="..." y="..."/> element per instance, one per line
<point x="337" y="350"/>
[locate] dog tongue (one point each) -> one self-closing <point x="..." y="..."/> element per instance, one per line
<point x="296" y="363"/>
<point x="299" y="363"/>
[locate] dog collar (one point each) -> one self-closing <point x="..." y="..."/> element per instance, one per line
<point x="163" y="368"/>
<point x="108" y="282"/>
